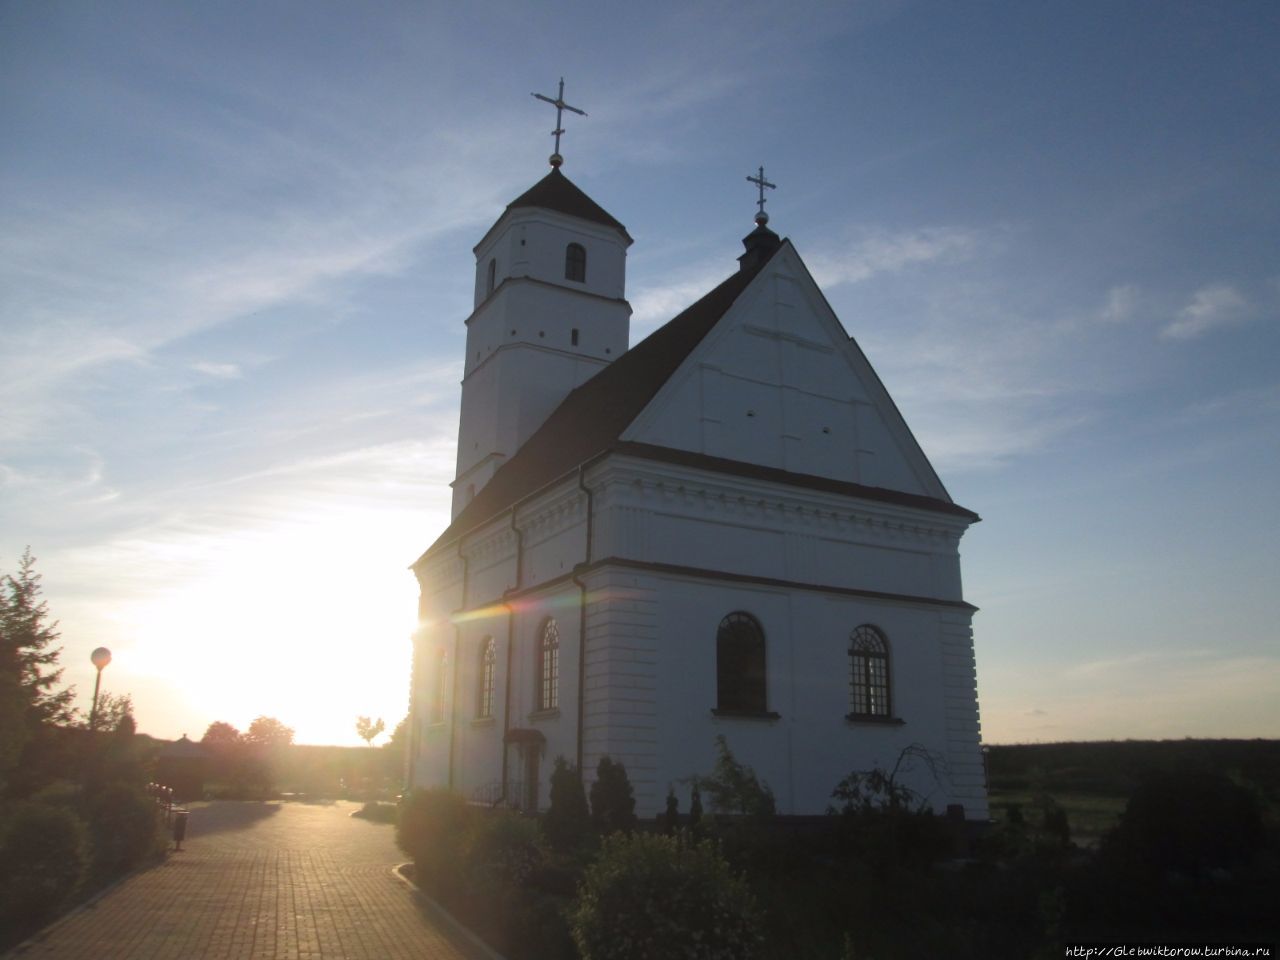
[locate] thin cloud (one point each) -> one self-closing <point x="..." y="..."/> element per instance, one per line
<point x="219" y="371"/>
<point x="655" y="305"/>
<point x="1212" y="307"/>
<point x="887" y="252"/>
<point x="1121" y="303"/>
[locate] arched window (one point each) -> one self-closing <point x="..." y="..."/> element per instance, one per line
<point x="493" y="276"/>
<point x="438" y="689"/>
<point x="869" y="672"/>
<point x="740" y="665"/>
<point x="484" y="692"/>
<point x="549" y="666"/>
<point x="575" y="262"/>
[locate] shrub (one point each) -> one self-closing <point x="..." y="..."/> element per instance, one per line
<point x="655" y="896"/>
<point x="613" y="803"/>
<point x="503" y="846"/>
<point x="125" y="828"/>
<point x="377" y="812"/>
<point x="733" y="787"/>
<point x="1188" y="823"/>
<point x="43" y="861"/>
<point x="567" y="818"/>
<point x="430" y="829"/>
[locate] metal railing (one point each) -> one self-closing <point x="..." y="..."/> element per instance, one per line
<point x="491" y="795"/>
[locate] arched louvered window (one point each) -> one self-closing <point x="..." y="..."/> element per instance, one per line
<point x="484" y="691"/>
<point x="740" y="665"/>
<point x="869" y="672"/>
<point x="549" y="666"/>
<point x="492" y="278"/>
<point x="575" y="262"/>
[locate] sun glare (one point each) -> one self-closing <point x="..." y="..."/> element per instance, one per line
<point x="309" y="623"/>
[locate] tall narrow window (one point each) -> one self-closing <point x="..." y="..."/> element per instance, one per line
<point x="438" y="689"/>
<point x="484" y="693"/>
<point x="549" y="666"/>
<point x="573" y="337"/>
<point x="740" y="665"/>
<point x="869" y="669"/>
<point x="493" y="275"/>
<point x="575" y="262"/>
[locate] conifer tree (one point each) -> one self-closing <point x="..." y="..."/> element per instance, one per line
<point x="28" y="657"/>
<point x="613" y="802"/>
<point x="29" y="671"/>
<point x="567" y="818"/>
<point x="671" y="816"/>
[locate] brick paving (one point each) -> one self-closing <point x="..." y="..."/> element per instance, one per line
<point x="261" y="881"/>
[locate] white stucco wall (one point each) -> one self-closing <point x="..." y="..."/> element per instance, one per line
<point x="779" y="383"/>
<point x="808" y="561"/>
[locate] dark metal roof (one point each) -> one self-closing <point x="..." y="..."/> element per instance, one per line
<point x="557" y="192"/>
<point x="595" y="414"/>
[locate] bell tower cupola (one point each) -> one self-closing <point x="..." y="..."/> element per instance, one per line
<point x="550" y="312"/>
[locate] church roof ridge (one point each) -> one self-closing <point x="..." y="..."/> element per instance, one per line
<point x="557" y="192"/>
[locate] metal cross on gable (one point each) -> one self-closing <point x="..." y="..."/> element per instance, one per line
<point x="761" y="217"/>
<point x="560" y="106"/>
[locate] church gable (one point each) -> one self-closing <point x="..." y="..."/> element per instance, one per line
<point x="780" y="384"/>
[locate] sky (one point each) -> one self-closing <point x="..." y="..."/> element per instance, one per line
<point x="235" y="262"/>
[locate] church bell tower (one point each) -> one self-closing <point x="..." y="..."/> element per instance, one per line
<point x="550" y="312"/>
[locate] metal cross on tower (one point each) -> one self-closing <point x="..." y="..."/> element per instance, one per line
<point x="560" y="106"/>
<point x="761" y="217"/>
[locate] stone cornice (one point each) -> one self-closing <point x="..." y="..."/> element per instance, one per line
<point x="643" y="484"/>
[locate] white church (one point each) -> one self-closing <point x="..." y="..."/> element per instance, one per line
<point x="726" y="529"/>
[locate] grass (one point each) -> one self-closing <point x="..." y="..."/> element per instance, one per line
<point x="1089" y="815"/>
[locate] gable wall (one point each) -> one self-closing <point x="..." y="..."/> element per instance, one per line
<point x="778" y="383"/>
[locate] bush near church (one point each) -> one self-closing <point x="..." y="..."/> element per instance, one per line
<point x="430" y="829"/>
<point x="613" y="802"/>
<point x="871" y="878"/>
<point x="656" y="896"/>
<point x="44" y="850"/>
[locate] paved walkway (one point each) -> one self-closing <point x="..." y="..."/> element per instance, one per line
<point x="261" y="881"/>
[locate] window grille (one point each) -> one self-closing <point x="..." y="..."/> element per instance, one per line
<point x="869" y="672"/>
<point x="575" y="263"/>
<point x="549" y="667"/>
<point x="488" y="662"/>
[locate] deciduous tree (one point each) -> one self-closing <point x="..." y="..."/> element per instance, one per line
<point x="368" y="730"/>
<point x="113" y="709"/>
<point x="268" y="732"/>
<point x="220" y="734"/>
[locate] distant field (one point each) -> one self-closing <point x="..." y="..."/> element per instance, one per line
<point x="1093" y="781"/>
<point x="1089" y="815"/>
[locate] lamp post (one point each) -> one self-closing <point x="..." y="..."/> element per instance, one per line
<point x="100" y="657"/>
